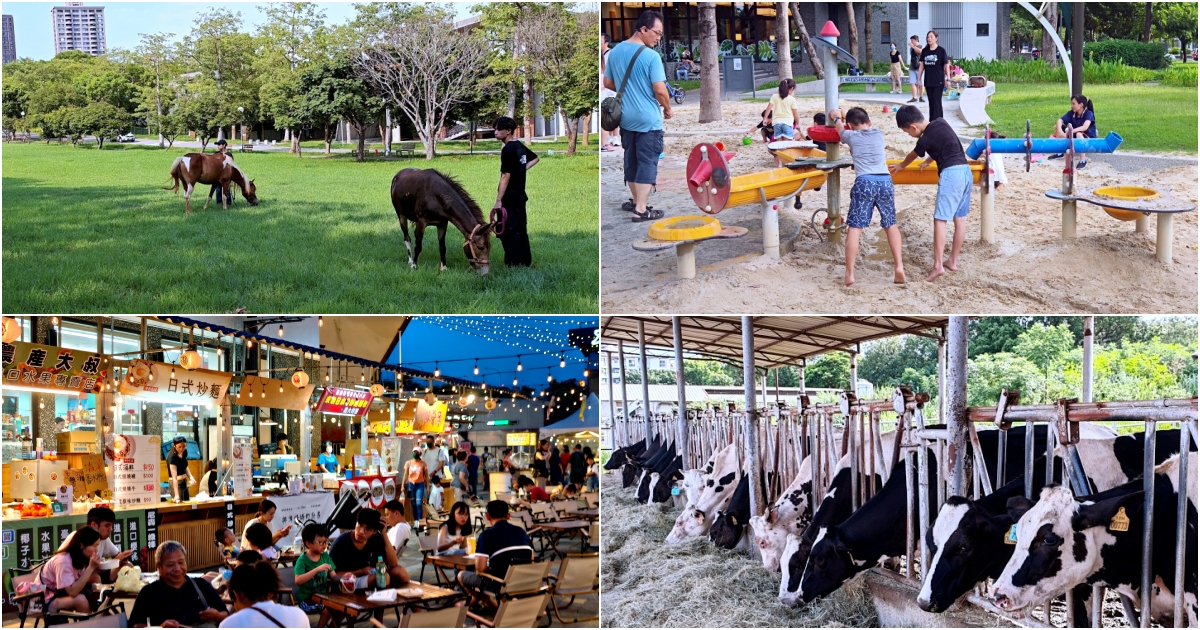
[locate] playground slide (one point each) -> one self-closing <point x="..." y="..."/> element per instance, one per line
<point x="973" y="104"/>
<point x="1107" y="144"/>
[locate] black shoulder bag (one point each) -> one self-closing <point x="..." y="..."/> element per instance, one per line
<point x="610" y="109"/>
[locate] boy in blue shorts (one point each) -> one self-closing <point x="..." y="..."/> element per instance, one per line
<point x="872" y="186"/>
<point x="938" y="140"/>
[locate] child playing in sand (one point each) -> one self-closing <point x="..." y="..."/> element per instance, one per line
<point x="784" y="104"/>
<point x="938" y="140"/>
<point x="819" y="120"/>
<point x="872" y="187"/>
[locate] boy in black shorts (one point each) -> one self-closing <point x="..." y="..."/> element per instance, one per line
<point x="499" y="547"/>
<point x="515" y="159"/>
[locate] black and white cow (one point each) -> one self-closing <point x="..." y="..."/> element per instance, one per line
<point x="715" y="494"/>
<point x="631" y="470"/>
<point x="872" y="533"/>
<point x="662" y="482"/>
<point x="790" y="514"/>
<point x="967" y="537"/>
<point x="657" y="465"/>
<point x="621" y="456"/>
<point x="1063" y="542"/>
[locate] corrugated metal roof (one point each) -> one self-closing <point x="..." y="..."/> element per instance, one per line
<point x="780" y="340"/>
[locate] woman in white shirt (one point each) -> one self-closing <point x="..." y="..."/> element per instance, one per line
<point x="452" y="536"/>
<point x="252" y="586"/>
<point x="266" y="514"/>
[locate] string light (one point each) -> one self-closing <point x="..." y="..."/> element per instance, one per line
<point x="549" y="376"/>
<point x="362" y="376"/>
<point x="281" y="330"/>
<point x="172" y="371"/>
<point x="476" y="367"/>
<point x="585" y="372"/>
<point x="514" y="382"/>
<point x="436" y="372"/>
<point x="562" y="361"/>
<point x="249" y="343"/>
<point x="320" y="321"/>
<point x="54" y="320"/>
<point x="518" y="364"/>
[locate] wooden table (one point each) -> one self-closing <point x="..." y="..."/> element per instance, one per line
<point x="458" y="563"/>
<point x="286" y="558"/>
<point x="590" y="515"/>
<point x="356" y="607"/>
<point x="555" y="530"/>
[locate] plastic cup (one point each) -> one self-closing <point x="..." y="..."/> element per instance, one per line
<point x="471" y="545"/>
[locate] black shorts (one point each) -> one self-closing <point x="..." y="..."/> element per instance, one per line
<point x="642" y="149"/>
<point x="471" y="579"/>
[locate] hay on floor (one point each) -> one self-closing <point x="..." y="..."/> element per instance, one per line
<point x="696" y="585"/>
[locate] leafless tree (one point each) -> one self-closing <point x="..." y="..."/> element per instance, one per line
<point x="423" y="67"/>
<point x="1049" y="49"/>
<point x="853" y="28"/>
<point x="710" y="77"/>
<point x="809" y="49"/>
<point x="867" y="37"/>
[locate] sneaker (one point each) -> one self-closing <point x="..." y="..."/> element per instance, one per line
<point x="921" y="100"/>
<point x="1082" y="163"/>
<point x="310" y="609"/>
<point x="913" y="100"/>
<point x="1056" y="156"/>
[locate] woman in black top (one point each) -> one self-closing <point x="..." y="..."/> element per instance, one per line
<point x="935" y="65"/>
<point x="896" y="70"/>
<point x="177" y="468"/>
<point x="209" y="478"/>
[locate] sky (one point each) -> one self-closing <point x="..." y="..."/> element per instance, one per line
<point x="451" y="344"/>
<point x="124" y="21"/>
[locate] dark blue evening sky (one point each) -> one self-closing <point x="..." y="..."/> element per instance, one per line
<point x="539" y="340"/>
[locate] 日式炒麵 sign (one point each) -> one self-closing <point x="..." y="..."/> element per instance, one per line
<point x="345" y="401"/>
<point x="50" y="367"/>
<point x="163" y="382"/>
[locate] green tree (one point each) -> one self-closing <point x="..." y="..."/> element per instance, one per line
<point x="331" y="90"/>
<point x="1044" y="345"/>
<point x="101" y="120"/>
<point x="563" y="62"/>
<point x="158" y="56"/>
<point x="889" y="361"/>
<point x="112" y="87"/>
<point x="830" y="370"/>
<point x="706" y="373"/>
<point x="222" y="53"/>
<point x="506" y="76"/>
<point x="1174" y="330"/>
<point x="293" y="37"/>
<point x="1176" y="20"/>
<point x="988" y="374"/>
<point x="200" y="110"/>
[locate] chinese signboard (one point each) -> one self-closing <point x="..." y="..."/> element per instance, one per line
<point x="266" y="393"/>
<point x="134" y="468"/>
<point x="520" y="439"/>
<point x="345" y="401"/>
<point x="153" y="381"/>
<point x="51" y="367"/>
<point x="309" y="506"/>
<point x="429" y="418"/>
<point x="243" y="470"/>
<point x="89" y="478"/>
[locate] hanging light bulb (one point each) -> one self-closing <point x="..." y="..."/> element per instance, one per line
<point x="436" y="372"/>
<point x="514" y="382"/>
<point x="172" y="371"/>
<point x="320" y="321"/>
<point x="41" y="404"/>
<point x="562" y="361"/>
<point x="143" y="406"/>
<point x="362" y="376"/>
<point x="249" y="343"/>
<point x="280" y="387"/>
<point x="585" y="372"/>
<point x="281" y="330"/>
<point x="250" y="391"/>
<point x="54" y="320"/>
<point x="549" y="376"/>
<point x="518" y="363"/>
<point x="477" y="367"/>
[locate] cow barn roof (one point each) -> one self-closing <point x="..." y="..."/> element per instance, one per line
<point x="777" y="340"/>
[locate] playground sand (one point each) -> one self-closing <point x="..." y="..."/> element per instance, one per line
<point x="1029" y="269"/>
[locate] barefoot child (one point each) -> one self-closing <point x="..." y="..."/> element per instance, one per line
<point x="872" y="187"/>
<point x="783" y="104"/>
<point x="938" y="140"/>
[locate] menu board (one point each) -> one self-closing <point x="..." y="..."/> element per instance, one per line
<point x="345" y="401"/>
<point x="391" y="454"/>
<point x="89" y="478"/>
<point x="430" y="418"/>
<point x="134" y="464"/>
<point x="154" y="381"/>
<point x="243" y="468"/>
<point x="520" y="438"/>
<point x="53" y="368"/>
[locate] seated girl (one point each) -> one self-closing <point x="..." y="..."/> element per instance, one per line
<point x="67" y="575"/>
<point x="452" y="536"/>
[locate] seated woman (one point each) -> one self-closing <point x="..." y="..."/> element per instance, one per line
<point x="1081" y="118"/>
<point x="258" y="538"/>
<point x="566" y="493"/>
<point x="67" y="574"/>
<point x="452" y="536"/>
<point x="266" y="516"/>
<point x="686" y="64"/>
<point x="252" y="587"/>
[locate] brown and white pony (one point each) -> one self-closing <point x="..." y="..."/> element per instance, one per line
<point x="429" y="197"/>
<point x="215" y="168"/>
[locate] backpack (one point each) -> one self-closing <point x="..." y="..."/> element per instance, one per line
<point x="610" y="109"/>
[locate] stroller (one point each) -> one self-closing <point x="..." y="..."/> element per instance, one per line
<point x="675" y="93"/>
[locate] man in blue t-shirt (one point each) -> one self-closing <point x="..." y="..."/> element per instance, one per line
<point x="641" y="118"/>
<point x="498" y="547"/>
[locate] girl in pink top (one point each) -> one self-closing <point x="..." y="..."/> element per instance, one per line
<point x="70" y="570"/>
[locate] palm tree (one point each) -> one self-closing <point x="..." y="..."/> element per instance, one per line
<point x="783" y="44"/>
<point x="710" y="78"/>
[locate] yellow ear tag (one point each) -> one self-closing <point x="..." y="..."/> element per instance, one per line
<point x="1011" y="537"/>
<point x="1119" y="522"/>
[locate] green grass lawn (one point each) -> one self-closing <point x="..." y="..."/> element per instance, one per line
<point x="90" y="231"/>
<point x="1148" y="117"/>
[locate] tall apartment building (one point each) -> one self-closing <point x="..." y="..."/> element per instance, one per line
<point x="78" y="27"/>
<point x="9" y="40"/>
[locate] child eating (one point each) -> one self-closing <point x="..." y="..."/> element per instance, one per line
<point x="314" y="570"/>
<point x="938" y="140"/>
<point x="872" y="187"/>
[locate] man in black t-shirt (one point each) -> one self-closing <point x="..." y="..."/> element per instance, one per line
<point x="498" y="548"/>
<point x="358" y="551"/>
<point x="515" y="159"/>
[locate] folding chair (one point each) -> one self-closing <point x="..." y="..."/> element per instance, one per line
<point x="577" y="575"/>
<point x="518" y="612"/>
<point x="287" y="584"/>
<point x="29" y="604"/>
<point x="561" y="507"/>
<point x="543" y="512"/>
<point x="504" y="496"/>
<point x="477" y="520"/>
<point x="592" y="499"/>
<point x="103" y="619"/>
<point x="450" y="617"/>
<point x="593" y="537"/>
<point x="428" y="547"/>
<point x="522" y="582"/>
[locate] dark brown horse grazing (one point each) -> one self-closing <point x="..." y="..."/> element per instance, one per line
<point x="202" y="168"/>
<point x="428" y="197"/>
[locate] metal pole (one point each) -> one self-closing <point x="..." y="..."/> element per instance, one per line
<point x="956" y="401"/>
<point x="1077" y="47"/>
<point x="677" y="335"/>
<point x="1185" y="446"/>
<point x="751" y="420"/>
<point x="1089" y="324"/>
<point x="612" y="402"/>
<point x="942" y="378"/>
<point x="624" y="391"/>
<point x="1148" y="522"/>
<point x="645" y="377"/>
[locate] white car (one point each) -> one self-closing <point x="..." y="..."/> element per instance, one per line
<point x="127" y="137"/>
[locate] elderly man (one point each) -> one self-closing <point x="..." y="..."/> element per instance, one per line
<point x="641" y="116"/>
<point x="175" y="599"/>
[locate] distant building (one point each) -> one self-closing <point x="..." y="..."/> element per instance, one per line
<point x="9" y="40"/>
<point x="78" y="27"/>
